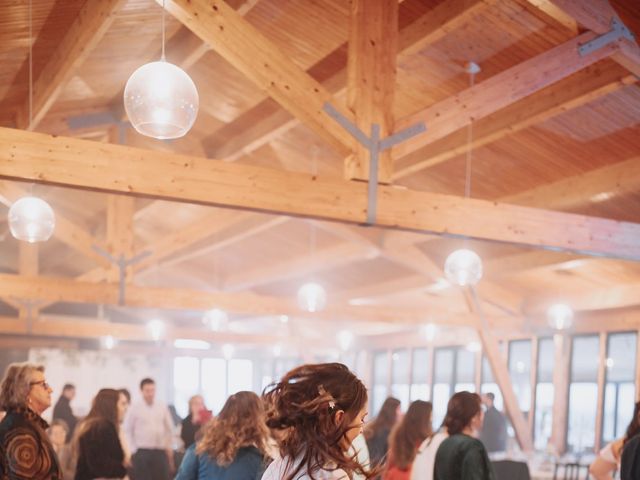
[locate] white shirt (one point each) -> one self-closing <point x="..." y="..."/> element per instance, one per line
<point x="359" y="446"/>
<point x="148" y="426"/>
<point x="278" y="470"/>
<point x="425" y="460"/>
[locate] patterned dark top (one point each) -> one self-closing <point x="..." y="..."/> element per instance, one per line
<point x="25" y="450"/>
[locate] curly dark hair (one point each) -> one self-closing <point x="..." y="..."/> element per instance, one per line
<point x="240" y="423"/>
<point x="302" y="408"/>
<point x="461" y="409"/>
<point x="407" y="435"/>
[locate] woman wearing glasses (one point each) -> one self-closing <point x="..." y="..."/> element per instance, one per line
<point x="25" y="449"/>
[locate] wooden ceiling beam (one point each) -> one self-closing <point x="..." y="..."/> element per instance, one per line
<point x="92" y="22"/>
<point x="122" y="169"/>
<point x="371" y="80"/>
<point x="253" y="54"/>
<point x="245" y="134"/>
<point x="66" y="230"/>
<point x="120" y="233"/>
<point x="597" y="15"/>
<point x="579" y="89"/>
<point x="499" y="91"/>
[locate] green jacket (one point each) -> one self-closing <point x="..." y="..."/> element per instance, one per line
<point x="461" y="457"/>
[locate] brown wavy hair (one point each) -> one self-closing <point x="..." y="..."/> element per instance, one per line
<point x="634" y="425"/>
<point x="302" y="408"/>
<point x="461" y="409"/>
<point x="407" y="435"/>
<point x="240" y="423"/>
<point x="16" y="385"/>
<point x="386" y="419"/>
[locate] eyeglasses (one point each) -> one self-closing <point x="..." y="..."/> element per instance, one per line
<point x="44" y="384"/>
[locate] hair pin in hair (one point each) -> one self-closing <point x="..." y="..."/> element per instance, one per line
<point x="323" y="392"/>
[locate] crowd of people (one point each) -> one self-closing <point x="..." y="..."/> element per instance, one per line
<point x="309" y="425"/>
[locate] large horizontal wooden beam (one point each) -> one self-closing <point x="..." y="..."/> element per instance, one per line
<point x="253" y="54"/>
<point x="92" y="22"/>
<point x="121" y="169"/>
<point x="499" y="91"/>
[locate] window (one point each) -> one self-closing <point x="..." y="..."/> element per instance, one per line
<point x="185" y="382"/>
<point x="489" y="385"/>
<point x="240" y="376"/>
<point x="443" y="369"/>
<point x="619" y="393"/>
<point x="465" y="371"/>
<point x="583" y="394"/>
<point x="380" y="380"/>
<point x="420" y="373"/>
<point x="214" y="381"/>
<point x="520" y="373"/>
<point x="544" y="394"/>
<point x="400" y="377"/>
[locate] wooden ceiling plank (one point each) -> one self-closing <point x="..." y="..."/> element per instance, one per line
<point x="597" y="15"/>
<point x="122" y="169"/>
<point x="615" y="296"/>
<point x="92" y="22"/>
<point x="498" y="92"/>
<point x="371" y="80"/>
<point x="556" y="13"/>
<point x="429" y="28"/>
<point x="262" y="62"/>
<point x="581" y="88"/>
<point x="66" y="231"/>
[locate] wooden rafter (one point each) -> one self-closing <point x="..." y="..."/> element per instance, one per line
<point x="499" y="91"/>
<point x="116" y="168"/>
<point x="259" y="60"/>
<point x="371" y="80"/>
<point x="92" y="22"/>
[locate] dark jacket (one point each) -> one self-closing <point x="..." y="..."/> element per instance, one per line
<point x="378" y="446"/>
<point x="99" y="451"/>
<point x="63" y="411"/>
<point x="248" y="465"/>
<point x="25" y="450"/>
<point x="494" y="431"/>
<point x="461" y="457"/>
<point x="630" y="460"/>
<point x="188" y="431"/>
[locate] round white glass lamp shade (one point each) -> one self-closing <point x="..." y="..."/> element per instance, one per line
<point x="560" y="316"/>
<point x="312" y="297"/>
<point x="161" y="100"/>
<point x="463" y="267"/>
<point x="216" y="319"/>
<point x="31" y="219"/>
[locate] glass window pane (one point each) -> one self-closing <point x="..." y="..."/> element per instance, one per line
<point x="544" y="394"/>
<point x="400" y="377"/>
<point x="441" y="394"/>
<point x="489" y="385"/>
<point x="465" y="370"/>
<point x="619" y="387"/>
<point x="443" y="366"/>
<point x="380" y="378"/>
<point x="420" y="372"/>
<point x="240" y="375"/>
<point x="214" y="382"/>
<point x="583" y="394"/>
<point x="185" y="382"/>
<point x="520" y="372"/>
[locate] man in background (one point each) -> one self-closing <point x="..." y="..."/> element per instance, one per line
<point x="62" y="410"/>
<point x="494" y="429"/>
<point x="149" y="429"/>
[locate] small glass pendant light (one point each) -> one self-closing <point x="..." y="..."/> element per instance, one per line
<point x="32" y="220"/>
<point x="312" y="297"/>
<point x="463" y="267"/>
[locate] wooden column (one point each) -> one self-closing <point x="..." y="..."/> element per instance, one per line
<point x="430" y="370"/>
<point x="533" y="379"/>
<point x="28" y="265"/>
<point x="478" y="371"/>
<point x="371" y="79"/>
<point x="602" y="373"/>
<point x="561" y="374"/>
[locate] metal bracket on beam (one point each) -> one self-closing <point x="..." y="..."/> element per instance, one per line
<point x="29" y="305"/>
<point x="375" y="145"/>
<point x="618" y="31"/>
<point x="122" y="263"/>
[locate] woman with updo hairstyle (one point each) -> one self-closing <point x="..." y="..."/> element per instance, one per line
<point x="233" y="444"/>
<point x="405" y="439"/>
<point x="462" y="456"/>
<point x="318" y="410"/>
<point x="97" y="440"/>
<point x="25" y="449"/>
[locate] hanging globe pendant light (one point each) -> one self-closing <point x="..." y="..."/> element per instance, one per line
<point x="463" y="267"/>
<point x="161" y="100"/>
<point x="312" y="297"/>
<point x="32" y="220"/>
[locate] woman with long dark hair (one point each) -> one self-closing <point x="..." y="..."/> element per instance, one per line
<point x="462" y="456"/>
<point x="97" y="440"/>
<point x="233" y="444"/>
<point x="405" y="439"/>
<point x="318" y="410"/>
<point x="608" y="460"/>
<point x="377" y="431"/>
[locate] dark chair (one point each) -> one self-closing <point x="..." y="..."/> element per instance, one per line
<point x="510" y="470"/>
<point x="571" y="470"/>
